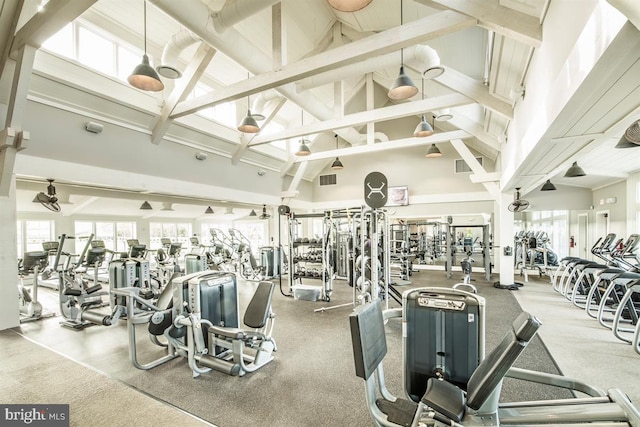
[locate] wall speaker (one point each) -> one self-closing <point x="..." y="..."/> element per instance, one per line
<point x="93" y="127"/>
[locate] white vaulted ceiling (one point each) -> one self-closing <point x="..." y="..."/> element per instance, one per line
<point x="486" y="47"/>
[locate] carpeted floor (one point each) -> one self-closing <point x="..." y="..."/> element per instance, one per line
<point x="311" y="382"/>
<point x="34" y="375"/>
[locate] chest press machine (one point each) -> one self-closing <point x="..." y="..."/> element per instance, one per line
<point x="443" y="403"/>
<point x="197" y="317"/>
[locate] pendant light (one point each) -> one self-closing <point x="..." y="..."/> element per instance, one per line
<point x="424" y="128"/>
<point x="208" y="211"/>
<point x="631" y="137"/>
<point x="403" y="87"/>
<point x="253" y="213"/>
<point x="144" y="77"/>
<point x="548" y="186"/>
<point x="433" y="152"/>
<point x="249" y="124"/>
<point x="146" y="206"/>
<point x="303" y="148"/>
<point x="574" y="171"/>
<point x="337" y="164"/>
<point x="348" y="5"/>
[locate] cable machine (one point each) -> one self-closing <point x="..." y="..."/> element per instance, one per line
<point x="464" y="239"/>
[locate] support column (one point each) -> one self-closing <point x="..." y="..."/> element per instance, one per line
<point x="503" y="238"/>
<point x="9" y="316"/>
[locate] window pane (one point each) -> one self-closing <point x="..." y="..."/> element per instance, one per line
<point x="155" y="233"/>
<point x="37" y="232"/>
<point x="127" y="61"/>
<point x="61" y="42"/>
<point x="95" y="51"/>
<point x="124" y="231"/>
<point x="82" y="229"/>
<point x="105" y="231"/>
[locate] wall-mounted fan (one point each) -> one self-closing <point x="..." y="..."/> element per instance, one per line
<point x="49" y="200"/>
<point x="518" y="204"/>
<point x="264" y="215"/>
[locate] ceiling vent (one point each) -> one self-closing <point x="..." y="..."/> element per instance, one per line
<point x="328" y="179"/>
<point x="462" y="167"/>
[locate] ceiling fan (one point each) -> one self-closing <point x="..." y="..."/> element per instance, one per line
<point x="518" y="204"/>
<point x="264" y="215"/>
<point x="49" y="200"/>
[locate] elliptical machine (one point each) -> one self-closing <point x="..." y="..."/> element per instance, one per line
<point x="30" y="308"/>
<point x="77" y="297"/>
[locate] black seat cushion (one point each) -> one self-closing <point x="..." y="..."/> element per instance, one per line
<point x="400" y="412"/>
<point x="445" y="398"/>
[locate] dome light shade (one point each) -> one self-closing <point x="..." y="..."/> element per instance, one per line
<point x="249" y="124"/>
<point x="403" y="87"/>
<point x="433" y="152"/>
<point x="548" y="186"/>
<point x="348" y="5"/>
<point x="423" y="129"/>
<point x="146" y="206"/>
<point x="253" y="213"/>
<point x="208" y="211"/>
<point x="144" y="77"/>
<point x="337" y="164"/>
<point x="303" y="148"/>
<point x="574" y="171"/>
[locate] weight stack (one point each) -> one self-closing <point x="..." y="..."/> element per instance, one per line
<point x="443" y="337"/>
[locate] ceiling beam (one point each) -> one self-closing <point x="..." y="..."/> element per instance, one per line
<point x="80" y="206"/>
<point x="475" y="90"/>
<point x="44" y="24"/>
<point x="8" y="24"/>
<point x="495" y="17"/>
<point x="364" y="117"/>
<point x="385" y="146"/>
<point x="182" y="89"/>
<point x="492" y="187"/>
<point x="388" y="41"/>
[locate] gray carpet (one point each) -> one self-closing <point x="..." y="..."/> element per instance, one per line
<point x="311" y="382"/>
<point x="34" y="375"/>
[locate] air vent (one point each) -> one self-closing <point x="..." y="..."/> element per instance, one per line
<point x="462" y="166"/>
<point x="328" y="179"/>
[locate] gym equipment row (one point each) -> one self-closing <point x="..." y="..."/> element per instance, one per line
<point x="197" y="317"/>
<point x="533" y="252"/>
<point x="608" y="291"/>
<point x="439" y="389"/>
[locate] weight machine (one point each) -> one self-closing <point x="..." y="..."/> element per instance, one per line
<point x="30" y="308"/>
<point x="465" y="241"/>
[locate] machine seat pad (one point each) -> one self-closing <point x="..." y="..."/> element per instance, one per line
<point x="445" y="398"/>
<point x="94" y="288"/>
<point x="400" y="412"/>
<point x="73" y="292"/>
<point x="233" y="333"/>
<point x="259" y="307"/>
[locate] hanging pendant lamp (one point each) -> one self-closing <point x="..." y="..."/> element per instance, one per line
<point x="144" y="77"/>
<point x="337" y="164"/>
<point x="303" y="148"/>
<point x="403" y="87"/>
<point x="548" y="186"/>
<point x="424" y="128"/>
<point x="249" y="123"/>
<point x="574" y="171"/>
<point x="631" y="137"/>
<point x="146" y="206"/>
<point x="433" y="152"/>
<point x="208" y="211"/>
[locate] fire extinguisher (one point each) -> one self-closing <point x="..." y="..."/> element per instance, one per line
<point x="572" y="242"/>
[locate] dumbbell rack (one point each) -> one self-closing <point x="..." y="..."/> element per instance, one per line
<point x="308" y="265"/>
